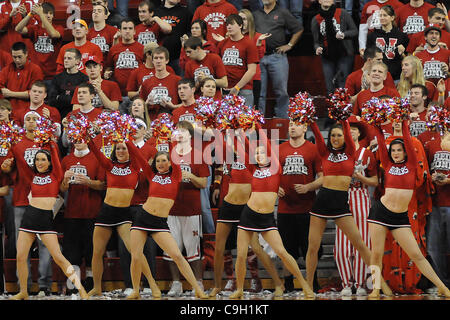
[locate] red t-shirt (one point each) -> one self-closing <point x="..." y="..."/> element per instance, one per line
<point x="236" y="56"/>
<point x="366" y="95"/>
<point x="166" y="88"/>
<point x="124" y="58"/>
<point x="111" y="90"/>
<point x="418" y="39"/>
<point x="209" y="47"/>
<point x="419" y="125"/>
<point x="298" y="166"/>
<point x="370" y="14"/>
<point x="104" y="38"/>
<point x="139" y="75"/>
<point x="83" y="202"/>
<point x="431" y="62"/>
<point x="412" y="20"/>
<point x="188" y="193"/>
<point x="88" y="50"/>
<point x="214" y="14"/>
<point x="5" y="59"/>
<point x="366" y="159"/>
<point x="354" y="82"/>
<point x="184" y="113"/>
<point x="147" y="33"/>
<point x="54" y="114"/>
<point x="45" y="48"/>
<point x="439" y="161"/>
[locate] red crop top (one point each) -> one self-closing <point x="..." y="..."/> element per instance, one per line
<point x="398" y="175"/>
<point x="340" y="163"/>
<point x="118" y="175"/>
<point x="47" y="184"/>
<point x="160" y="185"/>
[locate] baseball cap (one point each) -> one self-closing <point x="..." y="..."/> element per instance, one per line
<point x="94" y="59"/>
<point x="82" y="22"/>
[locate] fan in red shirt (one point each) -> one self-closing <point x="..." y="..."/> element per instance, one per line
<point x="214" y="13"/>
<point x="151" y="26"/>
<point x="16" y="78"/>
<point x="186" y="110"/>
<point x="87" y="49"/>
<point x="417" y="100"/>
<point x="202" y="64"/>
<point x="107" y="93"/>
<point x="434" y="58"/>
<point x="160" y="92"/>
<point x="102" y="34"/>
<point x="46" y="37"/>
<point x="413" y="16"/>
<point x="5" y="59"/>
<point x="124" y="57"/>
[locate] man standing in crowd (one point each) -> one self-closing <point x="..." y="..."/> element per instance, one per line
<point x="413" y="16"/>
<point x="102" y="34"/>
<point x="418" y="95"/>
<point x="151" y="26"/>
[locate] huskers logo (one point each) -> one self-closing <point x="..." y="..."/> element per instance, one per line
<point x="42" y="180"/>
<point x="120" y="171"/>
<point x="262" y="173"/>
<point x="398" y="171"/>
<point x="336" y="158"/>
<point x="161" y="180"/>
<point x="389" y="49"/>
<point x="126" y="60"/>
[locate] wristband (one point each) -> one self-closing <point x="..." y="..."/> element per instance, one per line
<point x="29" y="14"/>
<point x="290" y="45"/>
<point x="442" y="94"/>
<point x="237" y="88"/>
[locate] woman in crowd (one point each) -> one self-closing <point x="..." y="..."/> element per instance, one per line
<point x="139" y="109"/>
<point x="208" y="87"/>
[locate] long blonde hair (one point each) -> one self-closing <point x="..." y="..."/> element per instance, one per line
<point x="417" y="76"/>
<point x="250" y="22"/>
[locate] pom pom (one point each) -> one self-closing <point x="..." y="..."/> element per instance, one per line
<point x="10" y="134"/>
<point x="376" y="111"/>
<point x="78" y="128"/>
<point x="162" y="128"/>
<point x="232" y="113"/>
<point x="45" y="131"/>
<point x="205" y="111"/>
<point x="340" y="106"/>
<point x="301" y="108"/>
<point x="401" y="110"/>
<point x="438" y="117"/>
<point x="116" y="128"/>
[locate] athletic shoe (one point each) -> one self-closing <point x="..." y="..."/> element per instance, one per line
<point x="127" y="292"/>
<point x="176" y="289"/>
<point x="361" y="292"/>
<point x="346" y="292"/>
<point x="147" y="291"/>
<point x="231" y="285"/>
<point x="44" y="292"/>
<point x="255" y="286"/>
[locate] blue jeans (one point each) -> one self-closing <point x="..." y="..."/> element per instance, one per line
<point x="276" y="67"/>
<point x="295" y="7"/>
<point x="336" y="73"/>
<point x="349" y="6"/>
<point x="438" y="241"/>
<point x="207" y="219"/>
<point x="122" y="7"/>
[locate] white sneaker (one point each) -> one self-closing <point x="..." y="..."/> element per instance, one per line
<point x="361" y="292"/>
<point x="230" y="286"/>
<point x="346" y="292"/>
<point x="127" y="291"/>
<point x="147" y="291"/>
<point x="176" y="289"/>
<point x="255" y="286"/>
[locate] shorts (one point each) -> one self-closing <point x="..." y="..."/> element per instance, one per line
<point x="37" y="221"/>
<point x="256" y="222"/>
<point x="230" y="213"/>
<point x="381" y="215"/>
<point x="113" y="216"/>
<point x="186" y="230"/>
<point x="145" y="221"/>
<point x="331" y="204"/>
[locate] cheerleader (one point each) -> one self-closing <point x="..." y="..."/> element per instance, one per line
<point x="391" y="211"/>
<point x="258" y="215"/>
<point x="45" y="178"/>
<point x="122" y="178"/>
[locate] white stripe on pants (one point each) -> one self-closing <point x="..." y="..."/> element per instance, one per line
<point x="348" y="261"/>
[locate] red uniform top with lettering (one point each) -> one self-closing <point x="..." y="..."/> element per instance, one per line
<point x="214" y="14"/>
<point x="91" y="114"/>
<point x="370" y="14"/>
<point x="147" y="33"/>
<point x="211" y="66"/>
<point x="104" y="38"/>
<point x="146" y="151"/>
<point x="118" y="175"/>
<point x="354" y="82"/>
<point x="411" y="20"/>
<point x="5" y="59"/>
<point x="139" y="75"/>
<point x="208" y="46"/>
<point x="299" y="166"/>
<point x="87" y="50"/>
<point x="83" y="202"/>
<point x="339" y="163"/>
<point x="19" y="80"/>
<point x="398" y="175"/>
<point x="160" y="185"/>
<point x="110" y="89"/>
<point x="188" y="193"/>
<point x="165" y="88"/>
<point x="419" y="125"/>
<point x="439" y="161"/>
<point x="236" y="56"/>
<point x="184" y="113"/>
<point x="432" y="63"/>
<point x="23" y="154"/>
<point x="45" y="48"/>
<point x="418" y="39"/>
<point x="20" y="115"/>
<point x="366" y="95"/>
<point x="123" y="59"/>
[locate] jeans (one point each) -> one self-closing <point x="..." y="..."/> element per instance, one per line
<point x="295" y="7"/>
<point x="438" y="241"/>
<point x="207" y="219"/>
<point x="122" y="7"/>
<point x="349" y="5"/>
<point x="336" y="73"/>
<point x="275" y="66"/>
<point x="45" y="259"/>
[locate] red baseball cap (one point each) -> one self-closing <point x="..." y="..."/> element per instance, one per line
<point x="95" y="59"/>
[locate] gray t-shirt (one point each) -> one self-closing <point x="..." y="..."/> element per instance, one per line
<point x="276" y="22"/>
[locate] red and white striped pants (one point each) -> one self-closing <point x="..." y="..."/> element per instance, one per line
<point x="348" y="260"/>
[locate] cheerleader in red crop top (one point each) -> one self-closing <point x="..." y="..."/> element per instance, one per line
<point x="122" y="173"/>
<point x="164" y="180"/>
<point x="391" y="211"/>
<point x="45" y="177"/>
<point x="338" y="162"/>
<point x="258" y="215"/>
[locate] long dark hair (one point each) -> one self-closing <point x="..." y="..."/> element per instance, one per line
<point x="203" y="27"/>
<point x="337" y="125"/>
<point x="160" y="153"/>
<point x="49" y="158"/>
<point x="113" y="156"/>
